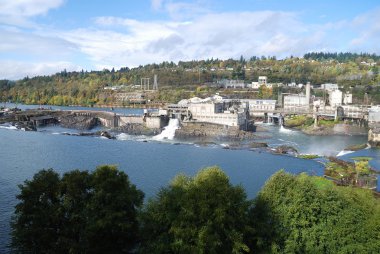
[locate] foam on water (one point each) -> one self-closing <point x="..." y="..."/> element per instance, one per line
<point x="8" y="127"/>
<point x="344" y="152"/>
<point x="169" y="131"/>
<point x="284" y="130"/>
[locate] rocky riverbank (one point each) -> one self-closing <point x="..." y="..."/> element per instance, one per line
<point x="336" y="129"/>
<point x="137" y="129"/>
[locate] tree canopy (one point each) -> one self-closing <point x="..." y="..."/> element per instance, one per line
<point x="99" y="212"/>
<point x="203" y="214"/>
<point x="80" y="212"/>
<point x="303" y="214"/>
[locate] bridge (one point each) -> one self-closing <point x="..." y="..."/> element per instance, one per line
<point x="84" y="119"/>
<point x="355" y="113"/>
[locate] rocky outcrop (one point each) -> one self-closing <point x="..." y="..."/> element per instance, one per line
<point x="78" y="122"/>
<point x="92" y="134"/>
<point x="284" y="149"/>
<point x="138" y="129"/>
<point x="193" y="130"/>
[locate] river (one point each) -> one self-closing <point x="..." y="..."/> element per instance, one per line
<point x="152" y="164"/>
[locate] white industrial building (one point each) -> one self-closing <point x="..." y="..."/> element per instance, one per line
<point x="215" y="113"/>
<point x="335" y="98"/>
<point x="215" y="109"/>
<point x="260" y="105"/>
<point x="296" y="101"/>
<point x="374" y="114"/>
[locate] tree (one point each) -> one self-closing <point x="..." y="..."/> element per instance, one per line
<point x="78" y="213"/>
<point x="204" y="214"/>
<point x="303" y="214"/>
<point x="112" y="212"/>
<point x="37" y="217"/>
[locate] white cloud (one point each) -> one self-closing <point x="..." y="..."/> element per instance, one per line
<point x="14" y="70"/>
<point x="156" y="4"/>
<point x="31" y="44"/>
<point x="19" y="12"/>
<point x="117" y="42"/>
<point x="220" y="35"/>
<point x="366" y="28"/>
<point x="27" y="8"/>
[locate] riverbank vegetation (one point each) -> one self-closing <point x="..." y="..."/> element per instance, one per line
<point x="357" y="173"/>
<point x="357" y="73"/>
<point x="102" y="212"/>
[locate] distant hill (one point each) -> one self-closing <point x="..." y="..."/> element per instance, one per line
<point x="358" y="73"/>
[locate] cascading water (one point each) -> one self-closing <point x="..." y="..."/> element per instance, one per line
<point x="282" y="128"/>
<point x="168" y="131"/>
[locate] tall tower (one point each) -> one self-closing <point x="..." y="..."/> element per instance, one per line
<point x="155" y="84"/>
<point x="308" y="93"/>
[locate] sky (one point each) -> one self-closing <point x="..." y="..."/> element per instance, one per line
<point x="43" y="37"/>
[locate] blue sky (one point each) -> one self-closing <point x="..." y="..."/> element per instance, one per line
<point x="41" y="37"/>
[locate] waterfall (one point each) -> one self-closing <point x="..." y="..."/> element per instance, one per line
<point x="169" y="131"/>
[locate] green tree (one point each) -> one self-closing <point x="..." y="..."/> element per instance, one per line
<point x="303" y="214"/>
<point x="78" y="213"/>
<point x="204" y="214"/>
<point x="112" y="212"/>
<point x="37" y="217"/>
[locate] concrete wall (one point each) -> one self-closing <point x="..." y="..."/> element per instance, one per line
<point x="123" y="120"/>
<point x="155" y="122"/>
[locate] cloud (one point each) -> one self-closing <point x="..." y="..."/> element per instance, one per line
<point x="27" y="8"/>
<point x="181" y="10"/>
<point x="366" y="28"/>
<point x="118" y="42"/>
<point x="45" y="47"/>
<point x="156" y="4"/>
<point x="14" y="70"/>
<point x="221" y="35"/>
<point x="18" y="13"/>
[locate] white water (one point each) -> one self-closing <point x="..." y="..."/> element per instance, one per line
<point x="9" y="127"/>
<point x="284" y="130"/>
<point x="344" y="152"/>
<point x="169" y="131"/>
<point x="127" y="137"/>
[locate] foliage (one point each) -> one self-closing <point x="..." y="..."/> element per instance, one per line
<point x="361" y="158"/>
<point x="204" y="214"/>
<point x="77" y="213"/>
<point x="308" y="156"/>
<point x="356" y="147"/>
<point x="298" y="121"/>
<point x="296" y="215"/>
<point x="98" y="212"/>
<point x="357" y="73"/>
<point x="348" y="173"/>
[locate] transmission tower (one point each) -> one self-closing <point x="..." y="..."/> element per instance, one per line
<point x="145" y="83"/>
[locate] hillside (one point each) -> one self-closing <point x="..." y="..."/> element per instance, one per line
<point x="358" y="73"/>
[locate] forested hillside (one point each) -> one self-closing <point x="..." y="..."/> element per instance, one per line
<point x="358" y="73"/>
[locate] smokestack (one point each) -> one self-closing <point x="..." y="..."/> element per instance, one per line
<point x="308" y="92"/>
